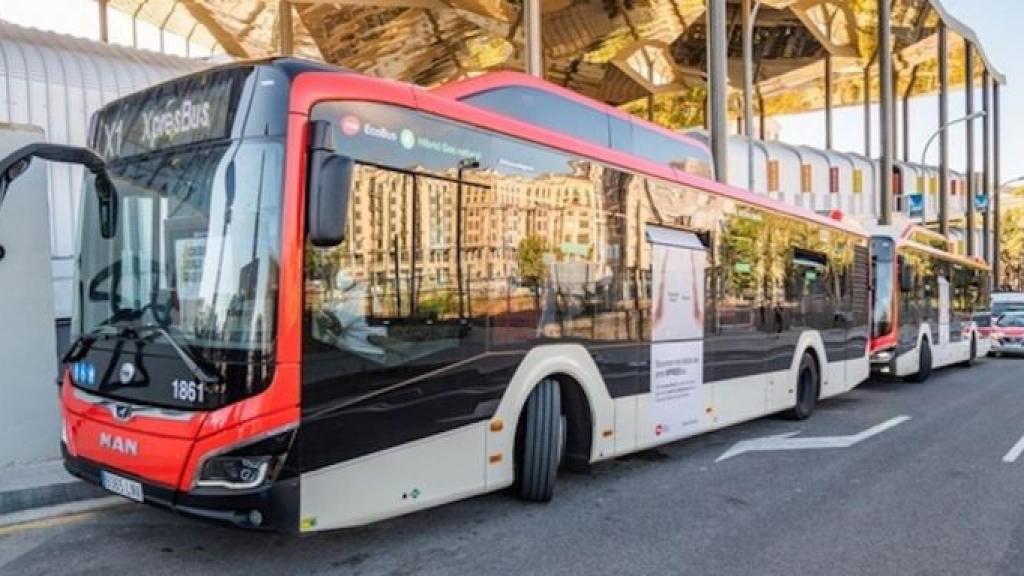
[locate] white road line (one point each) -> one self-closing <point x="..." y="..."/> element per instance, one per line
<point x="1014" y="452"/>
<point x="786" y="441"/>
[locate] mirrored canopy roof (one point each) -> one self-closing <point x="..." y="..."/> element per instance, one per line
<point x="616" y="51"/>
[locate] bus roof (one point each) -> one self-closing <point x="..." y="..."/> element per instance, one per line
<point x="949" y="256"/>
<point x="312" y="87"/>
<point x="911" y="235"/>
<point x="464" y="89"/>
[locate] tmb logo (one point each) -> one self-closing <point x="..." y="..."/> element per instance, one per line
<point x="114" y="443"/>
<point x="350" y="125"/>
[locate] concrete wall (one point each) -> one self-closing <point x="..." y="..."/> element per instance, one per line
<point x="29" y="416"/>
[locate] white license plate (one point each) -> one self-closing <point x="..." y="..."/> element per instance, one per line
<point x="121" y="486"/>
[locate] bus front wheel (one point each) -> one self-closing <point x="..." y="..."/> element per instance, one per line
<point x="807" y="386"/>
<point x="924" y="365"/>
<point x="540" y="443"/>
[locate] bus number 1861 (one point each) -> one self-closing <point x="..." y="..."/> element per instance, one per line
<point x="187" y="391"/>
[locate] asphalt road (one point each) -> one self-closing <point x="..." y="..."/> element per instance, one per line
<point x="928" y="496"/>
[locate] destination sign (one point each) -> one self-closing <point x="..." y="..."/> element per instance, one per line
<point x="187" y="111"/>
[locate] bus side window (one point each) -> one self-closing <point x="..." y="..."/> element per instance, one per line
<point x="810" y="287"/>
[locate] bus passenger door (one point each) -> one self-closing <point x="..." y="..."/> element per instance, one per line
<point x="678" y="398"/>
<point x="944" y="322"/>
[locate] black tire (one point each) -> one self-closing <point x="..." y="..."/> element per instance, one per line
<point x="808" y="385"/>
<point x="974" y="353"/>
<point x="540" y="443"/>
<point x="924" y="365"/>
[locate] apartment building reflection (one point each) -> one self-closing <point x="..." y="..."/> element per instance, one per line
<point x="522" y="234"/>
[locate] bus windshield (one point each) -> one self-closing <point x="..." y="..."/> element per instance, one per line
<point x="882" y="258"/>
<point x="195" y="248"/>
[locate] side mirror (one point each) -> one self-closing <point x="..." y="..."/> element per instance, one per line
<point x="330" y="181"/>
<point x="906" y="276"/>
<point x="16" y="163"/>
<point x="11" y="174"/>
<point x="107" y="196"/>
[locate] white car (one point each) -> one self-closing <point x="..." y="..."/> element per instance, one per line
<point x="1008" y="334"/>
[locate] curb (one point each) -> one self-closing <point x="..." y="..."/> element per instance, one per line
<point x="18" y="500"/>
<point x="59" y="514"/>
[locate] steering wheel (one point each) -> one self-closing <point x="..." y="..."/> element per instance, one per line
<point x="113" y="272"/>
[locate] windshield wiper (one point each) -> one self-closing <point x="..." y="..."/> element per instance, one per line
<point x="84" y="342"/>
<point x="191" y="360"/>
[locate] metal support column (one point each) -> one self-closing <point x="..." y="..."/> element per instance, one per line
<point x="188" y="40"/>
<point x="969" y="128"/>
<point x="284" y="23"/>
<point x="906" y="114"/>
<point x="104" y="23"/>
<point x="885" y="109"/>
<point x="906" y="126"/>
<point x="986" y="166"/>
<point x="997" y="178"/>
<point x="532" y="32"/>
<point x="163" y="25"/>
<point x="828" y="101"/>
<point x="897" y="136"/>
<point x="718" y="86"/>
<point x="748" y="17"/>
<point x="763" y="122"/>
<point x="943" y="130"/>
<point x="867" y="110"/>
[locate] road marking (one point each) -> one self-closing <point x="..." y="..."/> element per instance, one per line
<point x="1014" y="452"/>
<point x="787" y="442"/>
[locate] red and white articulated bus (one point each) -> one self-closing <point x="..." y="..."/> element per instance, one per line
<point x="926" y="299"/>
<point x="309" y="299"/>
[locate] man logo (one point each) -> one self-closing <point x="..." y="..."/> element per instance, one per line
<point x="125" y="446"/>
<point x="127" y="373"/>
<point x="123" y="412"/>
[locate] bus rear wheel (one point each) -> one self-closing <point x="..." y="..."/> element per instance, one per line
<point x="539" y="443"/>
<point x="808" y="382"/>
<point x="924" y="364"/>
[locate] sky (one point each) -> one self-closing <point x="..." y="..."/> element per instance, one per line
<point x="80" y="18"/>
<point x="994" y="21"/>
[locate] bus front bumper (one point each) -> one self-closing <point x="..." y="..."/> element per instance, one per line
<point x="883" y="362"/>
<point x="1008" y="346"/>
<point x="270" y="507"/>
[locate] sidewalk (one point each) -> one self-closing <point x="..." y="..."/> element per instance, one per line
<point x="41" y="485"/>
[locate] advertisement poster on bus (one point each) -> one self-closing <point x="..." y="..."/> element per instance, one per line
<point x="677" y="350"/>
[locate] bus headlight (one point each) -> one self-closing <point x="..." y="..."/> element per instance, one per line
<point x="236" y="472"/>
<point x="246" y="465"/>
